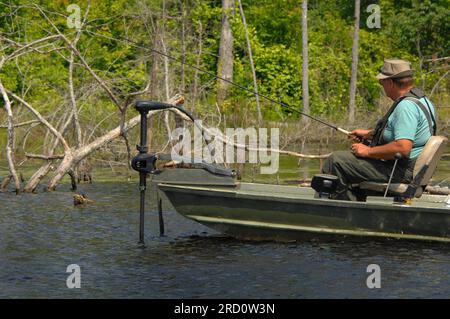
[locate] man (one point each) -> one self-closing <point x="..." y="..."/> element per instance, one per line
<point x="405" y="129"/>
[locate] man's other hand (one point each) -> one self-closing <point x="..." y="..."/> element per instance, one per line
<point x="360" y="150"/>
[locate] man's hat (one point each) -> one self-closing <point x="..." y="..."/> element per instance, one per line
<point x="394" y="69"/>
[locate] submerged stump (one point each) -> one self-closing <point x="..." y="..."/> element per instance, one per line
<point x="81" y="199"/>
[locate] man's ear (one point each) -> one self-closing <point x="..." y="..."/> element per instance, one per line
<point x="391" y="83"/>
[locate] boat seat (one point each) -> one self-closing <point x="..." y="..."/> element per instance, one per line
<point x="429" y="158"/>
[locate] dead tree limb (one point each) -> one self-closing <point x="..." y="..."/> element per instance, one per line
<point x="5" y="183"/>
<point x="25" y="48"/>
<point x="10" y="143"/>
<point x="21" y="124"/>
<point x="42" y="120"/>
<point x="74" y="156"/>
<point x="47" y="167"/>
<point x="44" y="157"/>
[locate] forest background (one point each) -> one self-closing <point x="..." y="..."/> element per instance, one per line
<point x="68" y="87"/>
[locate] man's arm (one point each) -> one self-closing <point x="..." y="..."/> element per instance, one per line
<point x="386" y="151"/>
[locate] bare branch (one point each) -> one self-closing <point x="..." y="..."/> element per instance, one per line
<point x="83" y="61"/>
<point x="25" y="47"/>
<point x="42" y="120"/>
<point x="438" y="81"/>
<point x="10" y="143"/>
<point x="71" y="89"/>
<point x="21" y="124"/>
<point x="71" y="158"/>
<point x="44" y="157"/>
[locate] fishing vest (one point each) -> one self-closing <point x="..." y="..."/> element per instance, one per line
<point x="414" y="95"/>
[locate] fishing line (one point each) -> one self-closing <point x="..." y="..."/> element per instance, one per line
<point x="287" y="106"/>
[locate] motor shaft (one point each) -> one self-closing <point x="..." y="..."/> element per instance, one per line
<point x="142" y="148"/>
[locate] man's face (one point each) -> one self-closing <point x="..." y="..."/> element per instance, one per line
<point x="388" y="86"/>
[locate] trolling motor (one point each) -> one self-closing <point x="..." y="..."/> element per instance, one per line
<point x="144" y="162"/>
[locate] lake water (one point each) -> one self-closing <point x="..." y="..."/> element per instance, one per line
<point x="40" y="235"/>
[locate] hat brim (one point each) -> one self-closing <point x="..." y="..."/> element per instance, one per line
<point x="403" y="74"/>
<point x="382" y="76"/>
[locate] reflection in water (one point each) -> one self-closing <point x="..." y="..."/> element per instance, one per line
<point x="41" y="234"/>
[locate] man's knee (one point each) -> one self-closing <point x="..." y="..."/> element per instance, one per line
<point x="334" y="159"/>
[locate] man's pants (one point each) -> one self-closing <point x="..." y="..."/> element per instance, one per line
<point x="353" y="170"/>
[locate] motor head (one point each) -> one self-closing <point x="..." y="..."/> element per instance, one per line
<point x="146" y="106"/>
<point x="324" y="184"/>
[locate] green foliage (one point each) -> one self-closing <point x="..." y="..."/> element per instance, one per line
<point x="411" y="29"/>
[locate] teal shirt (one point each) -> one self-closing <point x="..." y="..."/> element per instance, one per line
<point x="409" y="122"/>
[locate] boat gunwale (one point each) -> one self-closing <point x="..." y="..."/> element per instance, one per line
<point x="235" y="193"/>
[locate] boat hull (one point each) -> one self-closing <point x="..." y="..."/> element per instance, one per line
<point x="287" y="213"/>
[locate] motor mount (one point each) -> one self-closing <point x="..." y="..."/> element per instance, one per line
<point x="144" y="163"/>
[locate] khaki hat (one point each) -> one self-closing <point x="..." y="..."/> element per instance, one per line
<point x="394" y="69"/>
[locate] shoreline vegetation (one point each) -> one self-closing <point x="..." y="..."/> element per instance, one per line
<point x="67" y="93"/>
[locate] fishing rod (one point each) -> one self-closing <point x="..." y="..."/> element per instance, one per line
<point x="285" y="105"/>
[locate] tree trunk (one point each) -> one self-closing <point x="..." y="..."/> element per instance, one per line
<point x="67" y="163"/>
<point x="252" y="65"/>
<point x="76" y="122"/>
<point x="225" y="63"/>
<point x="183" y="47"/>
<point x="5" y="183"/>
<point x="34" y="181"/>
<point x="305" y="61"/>
<point x="37" y="177"/>
<point x="165" y="58"/>
<point x="198" y="64"/>
<point x="353" y="80"/>
<point x="153" y="89"/>
<point x="10" y="143"/>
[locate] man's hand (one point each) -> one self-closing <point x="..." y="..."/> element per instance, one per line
<point x="360" y="134"/>
<point x="360" y="150"/>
